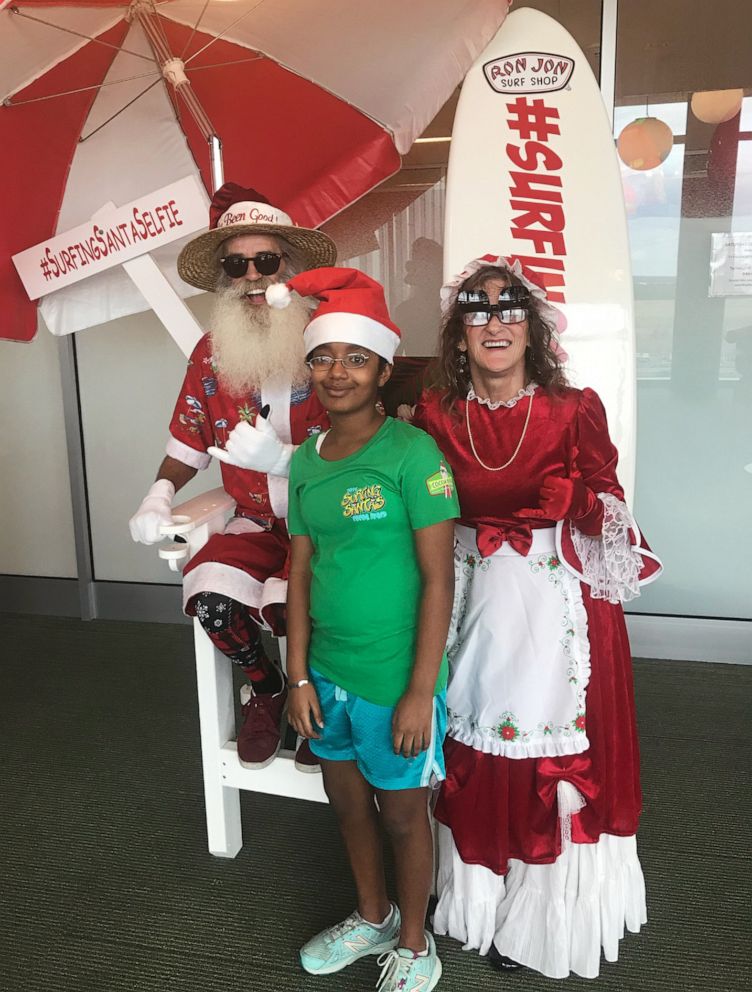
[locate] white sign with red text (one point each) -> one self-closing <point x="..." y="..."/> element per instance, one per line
<point x="533" y="174"/>
<point x="134" y="229"/>
<point x="529" y="72"/>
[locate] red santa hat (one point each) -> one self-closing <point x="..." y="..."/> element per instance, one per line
<point x="351" y="309"/>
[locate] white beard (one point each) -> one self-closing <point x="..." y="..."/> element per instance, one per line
<point x="252" y="343"/>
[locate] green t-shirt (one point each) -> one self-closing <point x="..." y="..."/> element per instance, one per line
<point x="359" y="513"/>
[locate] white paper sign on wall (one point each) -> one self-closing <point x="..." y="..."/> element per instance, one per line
<point x="731" y="264"/>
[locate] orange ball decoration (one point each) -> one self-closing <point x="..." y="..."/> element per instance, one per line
<point x="716" y="106"/>
<point x="645" y="143"/>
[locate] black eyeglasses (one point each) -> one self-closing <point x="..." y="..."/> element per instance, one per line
<point x="322" y="363"/>
<point x="512" y="307"/>
<point x="266" y="263"/>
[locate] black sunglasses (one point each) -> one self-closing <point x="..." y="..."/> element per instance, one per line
<point x="266" y="263"/>
<point x="476" y="310"/>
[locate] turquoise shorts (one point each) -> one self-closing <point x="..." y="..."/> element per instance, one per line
<point x="359" y="731"/>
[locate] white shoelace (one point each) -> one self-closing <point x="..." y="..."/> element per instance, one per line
<point x="340" y="929"/>
<point x="393" y="968"/>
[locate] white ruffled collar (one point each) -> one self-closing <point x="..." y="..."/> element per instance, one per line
<point x="527" y="391"/>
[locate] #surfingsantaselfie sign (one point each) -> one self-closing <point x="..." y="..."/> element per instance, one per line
<point x="533" y="173"/>
<point x="126" y="232"/>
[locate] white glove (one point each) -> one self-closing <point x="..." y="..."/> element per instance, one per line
<point x="155" y="510"/>
<point x="256" y="447"/>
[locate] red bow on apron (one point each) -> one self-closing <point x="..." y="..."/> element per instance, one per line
<point x="490" y="537"/>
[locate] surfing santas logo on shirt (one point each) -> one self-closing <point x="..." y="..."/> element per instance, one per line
<point x="441" y="483"/>
<point x="363" y="503"/>
<point x="529" y="72"/>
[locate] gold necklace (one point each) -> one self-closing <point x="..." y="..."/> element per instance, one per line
<point x="490" y="468"/>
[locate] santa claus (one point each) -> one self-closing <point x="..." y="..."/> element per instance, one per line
<point x="246" y="400"/>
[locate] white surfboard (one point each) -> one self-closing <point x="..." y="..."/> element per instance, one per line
<point x="533" y="173"/>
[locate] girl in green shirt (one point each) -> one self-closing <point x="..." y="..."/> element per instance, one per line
<point x="370" y="592"/>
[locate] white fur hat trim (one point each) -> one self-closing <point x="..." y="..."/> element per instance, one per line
<point x="351" y="328"/>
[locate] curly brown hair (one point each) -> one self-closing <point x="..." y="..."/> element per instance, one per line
<point x="542" y="364"/>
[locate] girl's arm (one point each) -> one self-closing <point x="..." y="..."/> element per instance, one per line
<point x="411" y="725"/>
<point x="303" y="707"/>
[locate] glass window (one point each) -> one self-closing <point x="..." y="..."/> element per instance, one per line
<point x="690" y="223"/>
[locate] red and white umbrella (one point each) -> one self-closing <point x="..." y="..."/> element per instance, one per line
<point x="314" y="101"/>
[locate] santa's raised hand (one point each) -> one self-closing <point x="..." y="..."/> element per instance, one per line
<point x="257" y="447"/>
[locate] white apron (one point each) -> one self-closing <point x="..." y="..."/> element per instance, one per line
<point x="518" y="651"/>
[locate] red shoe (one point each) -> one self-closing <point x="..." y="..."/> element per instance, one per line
<point x="305" y="759"/>
<point x="263" y="715"/>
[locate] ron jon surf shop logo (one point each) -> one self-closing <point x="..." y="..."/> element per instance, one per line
<point x="529" y="72"/>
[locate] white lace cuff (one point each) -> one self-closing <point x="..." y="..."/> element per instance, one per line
<point x="610" y="563"/>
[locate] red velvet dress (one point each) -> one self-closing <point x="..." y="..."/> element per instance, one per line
<point x="502" y="810"/>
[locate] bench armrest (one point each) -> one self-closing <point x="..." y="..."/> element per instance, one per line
<point x="197" y="511"/>
<point x="195" y="520"/>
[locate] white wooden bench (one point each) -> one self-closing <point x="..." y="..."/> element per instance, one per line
<point x="224" y="776"/>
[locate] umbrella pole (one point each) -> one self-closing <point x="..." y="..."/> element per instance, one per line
<point x="173" y="70"/>
<point x="217" y="166"/>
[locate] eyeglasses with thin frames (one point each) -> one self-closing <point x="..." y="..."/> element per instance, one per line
<point x="322" y="363"/>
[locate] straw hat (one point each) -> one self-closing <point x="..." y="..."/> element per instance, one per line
<point x="235" y="210"/>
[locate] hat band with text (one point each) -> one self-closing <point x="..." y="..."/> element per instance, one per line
<point x="249" y="212"/>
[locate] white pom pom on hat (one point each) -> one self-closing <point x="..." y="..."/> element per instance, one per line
<point x="352" y="309"/>
<point x="278" y="295"/>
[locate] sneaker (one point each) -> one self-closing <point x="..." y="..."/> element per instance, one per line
<point x="259" y="738"/>
<point x="345" y="942"/>
<point x="305" y="759"/>
<point x="403" y="970"/>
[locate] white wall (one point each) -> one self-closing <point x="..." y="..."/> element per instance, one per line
<point x="130" y="371"/>
<point x="36" y="536"/>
